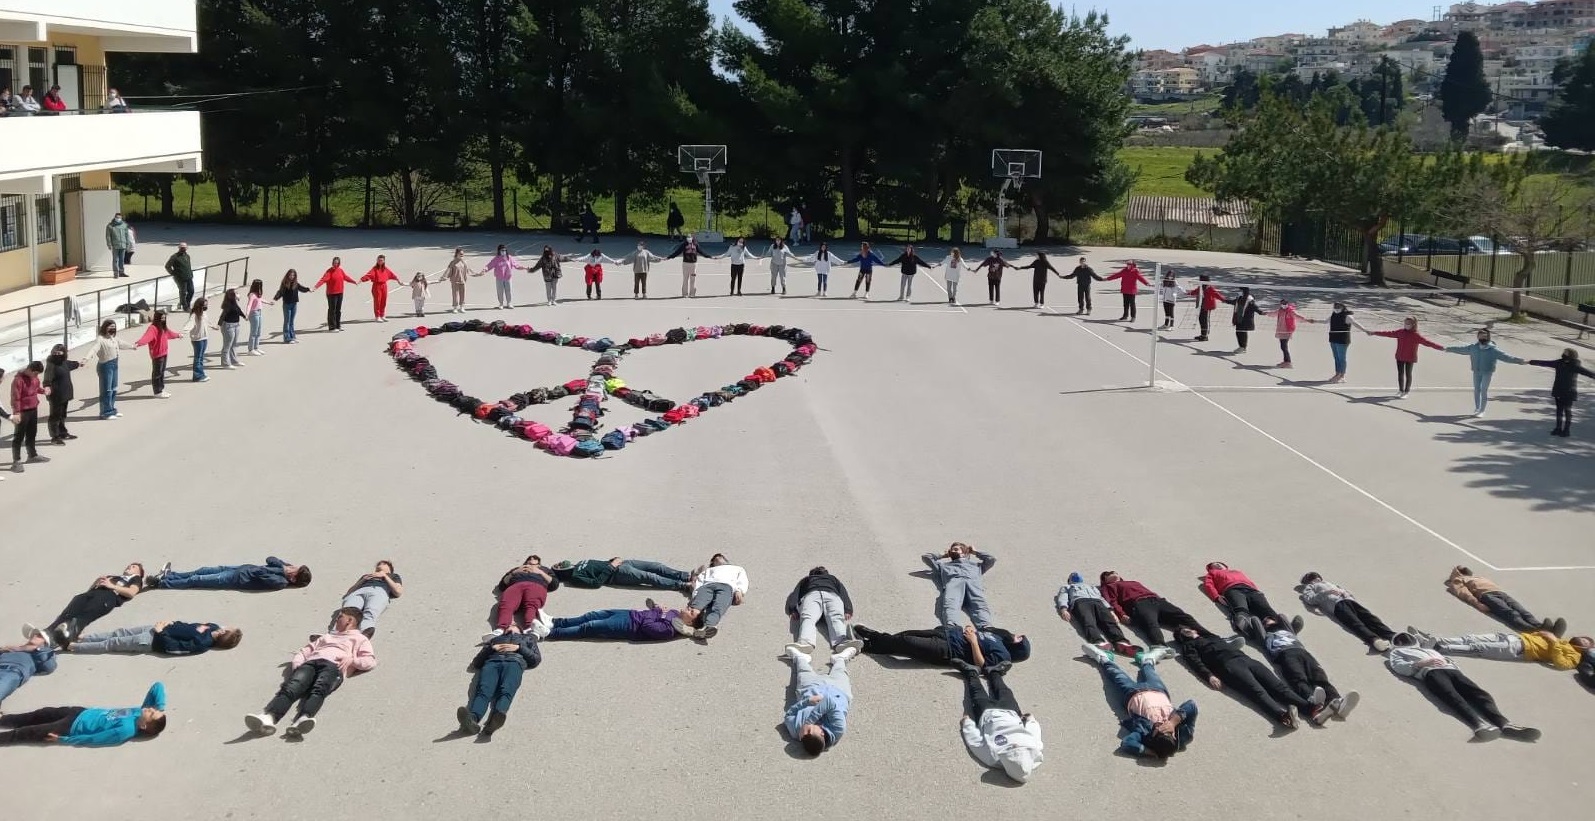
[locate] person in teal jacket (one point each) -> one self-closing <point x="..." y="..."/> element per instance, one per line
<point x="88" y="726"/>
<point x="1484" y="355"/>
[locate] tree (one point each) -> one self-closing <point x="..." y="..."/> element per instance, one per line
<point x="1530" y="216"/>
<point x="1244" y="91"/>
<point x="1464" y="93"/>
<point x="1570" y="123"/>
<point x="1293" y="164"/>
<point x="489" y="48"/>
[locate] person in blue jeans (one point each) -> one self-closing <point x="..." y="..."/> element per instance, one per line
<point x="1484" y="356"/>
<point x="618" y="572"/>
<point x="288" y="296"/>
<point x="275" y="574"/>
<point x="22" y="662"/>
<point x="500" y="665"/>
<point x="652" y="623"/>
<point x="1153" y="725"/>
<point x="87" y="726"/>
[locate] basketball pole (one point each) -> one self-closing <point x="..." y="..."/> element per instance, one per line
<point x="708" y="202"/>
<point x="1151" y="377"/>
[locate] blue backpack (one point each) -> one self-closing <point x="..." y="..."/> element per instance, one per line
<point x="587" y="448"/>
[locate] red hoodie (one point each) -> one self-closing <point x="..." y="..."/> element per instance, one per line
<point x="1211" y="298"/>
<point x="1217" y="581"/>
<point x="1130" y="280"/>
<point x="378" y="277"/>
<point x="1407" y="343"/>
<point x="1124" y="592"/>
<point x="334" y="279"/>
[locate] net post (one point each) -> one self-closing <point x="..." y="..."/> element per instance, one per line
<point x="1151" y="376"/>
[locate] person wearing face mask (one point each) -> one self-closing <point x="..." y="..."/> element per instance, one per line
<point x="1340" y="323"/>
<point x="739" y="255"/>
<point x="456" y="272"/>
<point x="641" y="260"/>
<point x="1564" y="388"/>
<point x="502" y="265"/>
<point x="58" y="384"/>
<point x="593" y="271"/>
<point x="335" y="278"/>
<point x="119" y="239"/>
<point x="548" y="264"/>
<point x="823" y="261"/>
<point x="1484" y="355"/>
<point x="1245" y="318"/>
<point x="1407" y="341"/>
<point x="688" y="251"/>
<point x="778" y="254"/>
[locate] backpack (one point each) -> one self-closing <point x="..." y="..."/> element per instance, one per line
<point x="676" y="336"/>
<point x="613" y="440"/>
<point x="657" y="424"/>
<point x="764" y="374"/>
<point x="689" y="411"/>
<point x="614" y="383"/>
<point x="587" y="448"/>
<point x="559" y="444"/>
<point x="534" y="431"/>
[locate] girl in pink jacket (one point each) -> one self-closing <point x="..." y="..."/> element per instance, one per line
<point x="158" y="337"/>
<point x="1285" y="328"/>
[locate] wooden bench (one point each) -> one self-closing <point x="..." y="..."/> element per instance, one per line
<point x="440" y="219"/>
<point x="1459" y="279"/>
<point x="1586" y="308"/>
<point x="907" y="230"/>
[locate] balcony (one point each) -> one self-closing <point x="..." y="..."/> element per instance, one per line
<point x="161" y="26"/>
<point x="48" y="146"/>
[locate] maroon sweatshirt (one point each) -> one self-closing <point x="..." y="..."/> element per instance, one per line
<point x="1123" y="592"/>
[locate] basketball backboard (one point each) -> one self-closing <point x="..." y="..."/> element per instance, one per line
<point x="701" y="159"/>
<point x="1015" y="163"/>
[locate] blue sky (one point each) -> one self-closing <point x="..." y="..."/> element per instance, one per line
<point x="1173" y="24"/>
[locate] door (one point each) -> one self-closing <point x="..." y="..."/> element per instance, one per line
<point x="70" y="79"/>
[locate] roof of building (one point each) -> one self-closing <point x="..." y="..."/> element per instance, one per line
<point x="1190" y="210"/>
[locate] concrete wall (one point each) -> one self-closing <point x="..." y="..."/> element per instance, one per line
<point x="16" y="269"/>
<point x="1139" y="232"/>
<point x="72" y="144"/>
<point x="1400" y="272"/>
<point x="174" y="17"/>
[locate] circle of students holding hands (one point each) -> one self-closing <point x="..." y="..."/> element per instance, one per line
<point x="1293" y="686"/>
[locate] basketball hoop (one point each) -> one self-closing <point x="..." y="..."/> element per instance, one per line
<point x="1013" y="166"/>
<point x="704" y="162"/>
<point x="703" y="178"/>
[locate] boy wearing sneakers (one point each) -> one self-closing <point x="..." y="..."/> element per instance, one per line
<point x="317" y="670"/>
<point x="1154" y="726"/>
<point x="1000" y="735"/>
<point x="1081" y="603"/>
<point x="818" y="718"/>
<point x="1337" y="603"/>
<point x="819" y="593"/>
<point x="1300" y="670"/>
<point x="500" y="665"/>
<point x="1440" y="677"/>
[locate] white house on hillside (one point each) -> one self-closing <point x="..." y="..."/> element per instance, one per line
<point x="55" y="168"/>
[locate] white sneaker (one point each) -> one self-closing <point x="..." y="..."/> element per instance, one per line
<point x="303" y="725"/>
<point x="801" y="646"/>
<point x="845" y="655"/>
<point x="261" y="724"/>
<point x="163" y="395"/>
<point x="227" y="367"/>
<point x="681" y="627"/>
<point x="1318" y="697"/>
<point x="1345" y="704"/>
<point x="29" y="632"/>
<point x="856" y="645"/>
<point x="794" y="652"/>
<point x="203" y="379"/>
<point x="486" y="637"/>
<point x="1096" y="654"/>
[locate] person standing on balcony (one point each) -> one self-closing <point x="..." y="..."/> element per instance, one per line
<point x="114" y="103"/>
<point x="53" y="102"/>
<point x="335" y="279"/>
<point x="181" y="268"/>
<point x="118" y="238"/>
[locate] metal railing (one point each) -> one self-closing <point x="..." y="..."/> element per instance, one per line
<point x="28" y="331"/>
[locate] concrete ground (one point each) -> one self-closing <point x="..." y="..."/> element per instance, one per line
<point x="1018" y="431"/>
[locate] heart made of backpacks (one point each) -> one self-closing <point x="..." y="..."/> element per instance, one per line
<point x="585" y="436"/>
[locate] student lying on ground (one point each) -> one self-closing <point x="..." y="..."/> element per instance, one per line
<point x="1338" y="603"/>
<point x="22" y="662"/>
<point x="318" y="669"/>
<point x="818" y="718"/>
<point x="948" y="645"/>
<point x="816" y="594"/>
<point x="173" y="638"/>
<point x="960" y="574"/>
<point x="499" y="667"/>
<point x="1153" y="725"/>
<point x="371" y="594"/>
<point x="106" y="594"/>
<point x="1539" y="646"/>
<point x="1487" y="597"/>
<point x="275" y="574"/>
<point x="618" y="572"/>
<point x="715" y="588"/>
<point x="1300" y="670"/>
<point x="1138" y="606"/>
<point x="652" y="623"/>
<point x="1248" y="608"/>
<point x="524" y="588"/>
<point x="87" y="726"/>
<point x="1000" y="735"/>
<point x="1082" y="604"/>
<point x="1440" y="677"/>
<point x="1221" y="662"/>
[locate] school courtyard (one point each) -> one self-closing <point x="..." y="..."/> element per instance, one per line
<point x="1028" y="434"/>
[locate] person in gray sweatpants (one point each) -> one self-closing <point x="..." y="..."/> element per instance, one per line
<point x="716" y="586"/>
<point x="371" y="594"/>
<point x="958" y="575"/>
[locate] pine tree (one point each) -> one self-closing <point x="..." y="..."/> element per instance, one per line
<point x="1464" y="93"/>
<point x="1571" y="121"/>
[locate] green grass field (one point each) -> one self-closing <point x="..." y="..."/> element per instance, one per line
<point x="1200" y="105"/>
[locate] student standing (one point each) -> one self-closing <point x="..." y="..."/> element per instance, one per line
<point x="1284" y="329"/>
<point x="593" y="272"/>
<point x="674" y="221"/>
<point x="181" y="269"/>
<point x="1168" y="293"/>
<point x="1245" y="318"/>
<point x="288" y="294"/>
<point x="1208" y="299"/>
<point x="953" y="269"/>
<point x="1340" y="322"/>
<point x="499" y="667"/>
<point x="57" y="382"/>
<point x="229" y="317"/>
<point x="1082" y="276"/>
<point x="106" y="356"/>
<point x="688" y="251"/>
<point x="994" y="263"/>
<point x="909" y="263"/>
<point x="1483" y="355"/>
<point x="379" y="276"/>
<point x="817" y="718"/>
<point x="316" y="670"/>
<point x="778" y="255"/>
<point x="642" y="261"/>
<point x="252" y="309"/>
<point x="502" y="266"/>
<point x="335" y="279"/>
<point x="1407" y="341"/>
<point x="1130" y="282"/>
<point x="419" y="293"/>
<point x="1564" y="387"/>
<point x="548" y="264"/>
<point x="867" y="260"/>
<point x="158" y="337"/>
<point x="455" y="273"/>
<point x="739" y="256"/>
<point x="198" y="336"/>
<point x="26" y="389"/>
<point x="823" y="261"/>
<point x="1038" y="280"/>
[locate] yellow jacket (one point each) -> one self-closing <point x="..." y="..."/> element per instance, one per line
<point x="1559" y="654"/>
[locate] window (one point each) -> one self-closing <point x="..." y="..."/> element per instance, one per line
<point x="8" y="68"/>
<point x="38" y="70"/>
<point x="44" y="219"/>
<point x="11" y="208"/>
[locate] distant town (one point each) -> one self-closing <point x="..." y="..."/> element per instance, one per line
<point x="1523" y="43"/>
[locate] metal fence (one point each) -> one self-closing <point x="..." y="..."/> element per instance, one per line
<point x="27" y="333"/>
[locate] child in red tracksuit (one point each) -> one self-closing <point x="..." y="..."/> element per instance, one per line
<point x="1130" y="282"/>
<point x="379" y="276"/>
<point x="1407" y="341"/>
<point x="1208" y="300"/>
<point x="593" y="272"/>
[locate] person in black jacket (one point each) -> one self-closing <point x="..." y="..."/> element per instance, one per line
<point x="1038" y="281"/>
<point x="1082" y="276"/>
<point x="1220" y="661"/>
<point x="499" y="667"/>
<point x="589" y="222"/>
<point x="181" y="268"/>
<point x="106" y="594"/>
<point x="1564" y="387"/>
<point x="1245" y="318"/>
<point x="909" y="263"/>
<point x="998" y="648"/>
<point x="58" y="386"/>
<point x="819" y="593"/>
<point x="288" y="297"/>
<point x="1340" y="324"/>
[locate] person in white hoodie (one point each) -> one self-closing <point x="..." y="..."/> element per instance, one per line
<point x="1000" y="736"/>
<point x="1168" y="292"/>
<point x="778" y="254"/>
<point x="715" y="588"/>
<point x="1441" y="679"/>
<point x="640" y="261"/>
<point x="953" y="268"/>
<point x="822" y="260"/>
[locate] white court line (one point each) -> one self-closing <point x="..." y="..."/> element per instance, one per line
<point x="1333" y="388"/>
<point x="1315" y="463"/>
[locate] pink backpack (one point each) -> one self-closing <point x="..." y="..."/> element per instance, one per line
<point x="535" y="431"/>
<point x="559" y="444"/>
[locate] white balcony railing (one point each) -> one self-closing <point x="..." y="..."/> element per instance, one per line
<point x="46" y="146"/>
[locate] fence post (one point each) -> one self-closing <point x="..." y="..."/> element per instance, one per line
<point x="29" y="319"/>
<point x="1567" y="295"/>
<point x="1401" y="239"/>
<point x="1495" y="245"/>
<point x="515" y="206"/>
